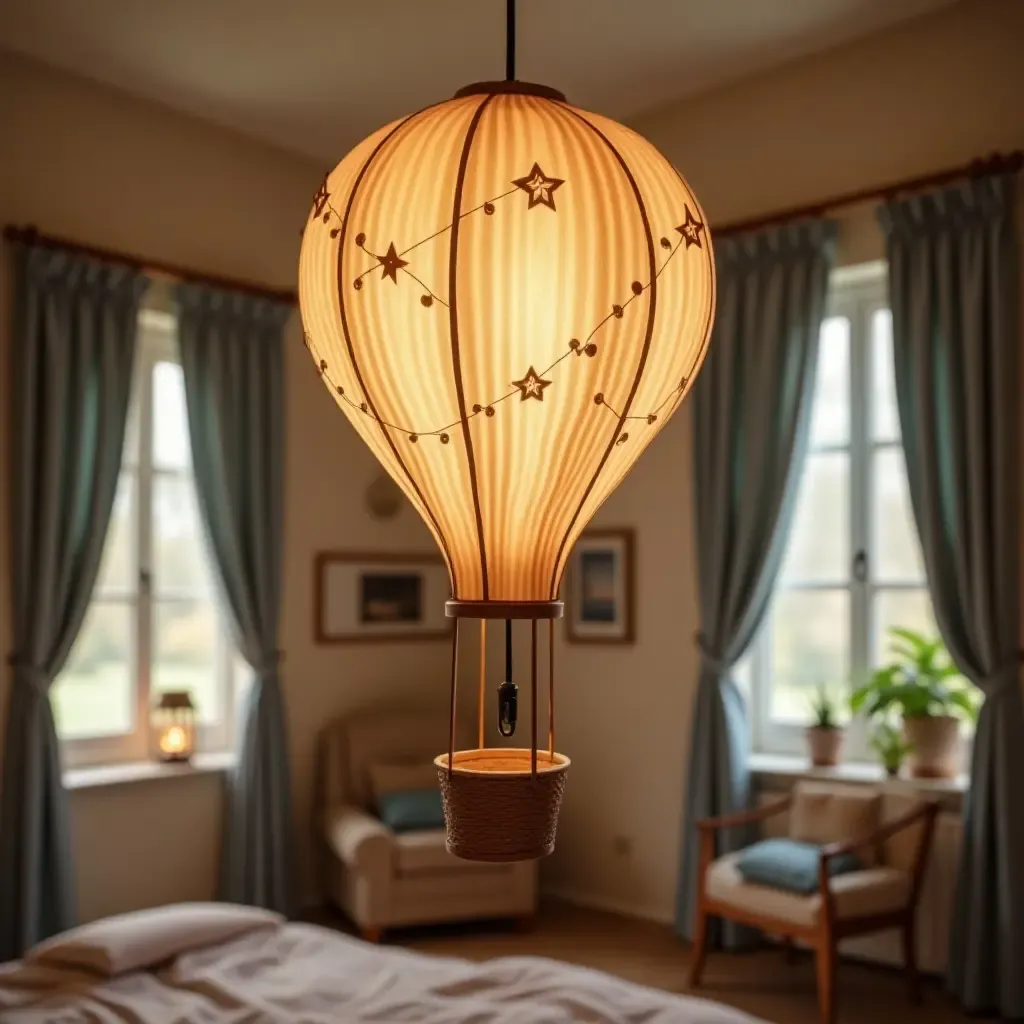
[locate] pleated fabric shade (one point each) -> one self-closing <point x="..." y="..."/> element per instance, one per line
<point x="508" y="297"/>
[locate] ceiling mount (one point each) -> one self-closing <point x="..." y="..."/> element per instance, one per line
<point x="511" y="86"/>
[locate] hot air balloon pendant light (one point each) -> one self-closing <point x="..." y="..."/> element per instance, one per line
<point x="508" y="297"/>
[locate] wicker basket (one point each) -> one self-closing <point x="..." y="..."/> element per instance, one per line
<point x="495" y="810"/>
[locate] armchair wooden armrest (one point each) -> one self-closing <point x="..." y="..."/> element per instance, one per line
<point x="926" y="810"/>
<point x="707" y="827"/>
<point x="745" y="817"/>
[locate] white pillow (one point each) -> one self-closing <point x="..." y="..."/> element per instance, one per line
<point x="393" y="778"/>
<point x="145" y="938"/>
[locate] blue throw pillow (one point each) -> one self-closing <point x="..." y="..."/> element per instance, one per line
<point x="789" y="865"/>
<point x="408" y="809"/>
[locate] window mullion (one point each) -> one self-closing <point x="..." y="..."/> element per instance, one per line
<point x="144" y="668"/>
<point x="761" y="694"/>
<point x="861" y="492"/>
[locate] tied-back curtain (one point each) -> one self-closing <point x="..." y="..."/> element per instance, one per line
<point x="72" y="342"/>
<point x="233" y="363"/>
<point x="751" y="416"/>
<point x="954" y="283"/>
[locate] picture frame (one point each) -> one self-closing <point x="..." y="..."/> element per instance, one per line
<point x="374" y="597"/>
<point x="601" y="588"/>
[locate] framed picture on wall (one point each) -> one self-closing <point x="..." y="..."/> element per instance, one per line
<point x="365" y="597"/>
<point x="600" y="592"/>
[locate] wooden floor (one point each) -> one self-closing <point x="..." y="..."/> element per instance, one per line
<point x="760" y="983"/>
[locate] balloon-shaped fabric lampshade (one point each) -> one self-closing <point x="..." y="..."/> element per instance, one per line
<point x="509" y="298"/>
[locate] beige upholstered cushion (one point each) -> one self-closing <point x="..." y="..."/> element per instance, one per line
<point x="857" y="894"/>
<point x="424" y="851"/>
<point x="828" y="813"/>
<point x="393" y="778"/>
<point x="408" y="735"/>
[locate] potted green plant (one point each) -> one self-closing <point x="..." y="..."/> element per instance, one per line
<point x="824" y="734"/>
<point x="923" y="686"/>
<point x="892" y="749"/>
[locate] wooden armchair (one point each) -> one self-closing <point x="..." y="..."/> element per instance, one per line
<point x="880" y="896"/>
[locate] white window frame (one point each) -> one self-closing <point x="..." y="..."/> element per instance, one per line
<point x="856" y="293"/>
<point x="156" y="342"/>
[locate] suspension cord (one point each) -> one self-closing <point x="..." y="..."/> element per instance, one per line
<point x="508" y="650"/>
<point x="510" y="40"/>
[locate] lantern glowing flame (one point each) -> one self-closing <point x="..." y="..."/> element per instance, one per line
<point x="509" y="298"/>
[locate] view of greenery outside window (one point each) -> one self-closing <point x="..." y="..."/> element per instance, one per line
<point x="154" y="621"/>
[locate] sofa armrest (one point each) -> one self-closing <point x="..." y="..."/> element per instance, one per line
<point x="363" y="843"/>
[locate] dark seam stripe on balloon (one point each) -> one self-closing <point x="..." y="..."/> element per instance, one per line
<point x="709" y="318"/>
<point x="453" y="320"/>
<point x="351" y="350"/>
<point x="702" y="354"/>
<point x="643" y="352"/>
<point x="591" y="171"/>
<point x="709" y="259"/>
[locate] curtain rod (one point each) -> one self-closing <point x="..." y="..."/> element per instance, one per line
<point x="996" y="163"/>
<point x="32" y="236"/>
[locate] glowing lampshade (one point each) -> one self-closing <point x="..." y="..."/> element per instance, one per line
<point x="508" y="297"/>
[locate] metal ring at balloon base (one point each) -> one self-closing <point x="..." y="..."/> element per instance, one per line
<point x="504" y="609"/>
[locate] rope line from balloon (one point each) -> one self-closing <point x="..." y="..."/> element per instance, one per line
<point x="392" y="264"/>
<point x="487" y="206"/>
<point x="575" y="348"/>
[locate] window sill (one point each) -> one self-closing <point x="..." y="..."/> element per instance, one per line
<point x="780" y="771"/>
<point x="98" y="776"/>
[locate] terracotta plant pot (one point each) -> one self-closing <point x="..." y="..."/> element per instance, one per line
<point x="934" y="741"/>
<point x="824" y="746"/>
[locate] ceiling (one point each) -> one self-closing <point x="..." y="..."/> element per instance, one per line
<point x="315" y="76"/>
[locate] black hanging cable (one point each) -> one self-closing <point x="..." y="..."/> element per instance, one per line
<point x="508" y="649"/>
<point x="508" y="692"/>
<point x="510" y="40"/>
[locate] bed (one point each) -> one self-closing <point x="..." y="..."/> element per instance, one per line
<point x="160" y="967"/>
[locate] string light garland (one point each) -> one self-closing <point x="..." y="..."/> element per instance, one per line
<point x="508" y="297"/>
<point x="392" y="262"/>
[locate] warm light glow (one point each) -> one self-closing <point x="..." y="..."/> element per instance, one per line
<point x="508" y="297"/>
<point x="173" y="740"/>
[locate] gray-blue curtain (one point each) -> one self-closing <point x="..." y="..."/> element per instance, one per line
<point x="72" y="342"/>
<point x="954" y="283"/>
<point x="233" y="361"/>
<point x="751" y="415"/>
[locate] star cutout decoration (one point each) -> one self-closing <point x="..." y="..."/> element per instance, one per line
<point x="321" y="198"/>
<point x="690" y="229"/>
<point x="540" y="188"/>
<point x="391" y="263"/>
<point x="531" y="386"/>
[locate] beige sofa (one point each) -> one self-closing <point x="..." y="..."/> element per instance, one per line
<point x="382" y="879"/>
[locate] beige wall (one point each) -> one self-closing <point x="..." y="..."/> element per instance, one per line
<point x="930" y="94"/>
<point x="95" y="165"/>
<point x="91" y="164"/>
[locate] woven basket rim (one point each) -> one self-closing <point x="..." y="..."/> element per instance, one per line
<point x="546" y="764"/>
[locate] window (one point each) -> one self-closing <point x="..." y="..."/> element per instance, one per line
<point x="154" y="621"/>
<point x="852" y="566"/>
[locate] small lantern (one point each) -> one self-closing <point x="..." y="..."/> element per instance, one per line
<point x="173" y="722"/>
